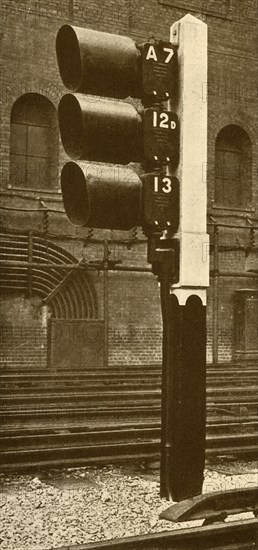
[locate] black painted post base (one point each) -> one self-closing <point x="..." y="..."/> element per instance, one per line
<point x="183" y="398"/>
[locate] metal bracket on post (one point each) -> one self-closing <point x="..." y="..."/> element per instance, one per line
<point x="163" y="254"/>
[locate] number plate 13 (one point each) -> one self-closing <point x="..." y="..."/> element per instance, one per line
<point x="161" y="201"/>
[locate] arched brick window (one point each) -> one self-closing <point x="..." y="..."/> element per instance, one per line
<point x="34" y="143"/>
<point x="233" y="168"/>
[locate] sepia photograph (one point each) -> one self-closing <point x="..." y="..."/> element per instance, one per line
<point x="128" y="275"/>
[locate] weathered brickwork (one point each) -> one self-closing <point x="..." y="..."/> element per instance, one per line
<point x="23" y="333"/>
<point x="134" y="319"/>
<point x="23" y="348"/>
<point x="129" y="301"/>
<point x="135" y="345"/>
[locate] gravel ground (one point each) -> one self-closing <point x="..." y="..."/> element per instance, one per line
<point x="80" y="505"/>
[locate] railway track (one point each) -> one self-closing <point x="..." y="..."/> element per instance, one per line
<point x="77" y="418"/>
<point x="103" y="446"/>
<point x="237" y="535"/>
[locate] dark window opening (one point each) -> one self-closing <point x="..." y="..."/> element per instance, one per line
<point x="34" y="143"/>
<point x="233" y="168"/>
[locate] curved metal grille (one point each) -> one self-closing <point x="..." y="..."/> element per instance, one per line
<point x="70" y="295"/>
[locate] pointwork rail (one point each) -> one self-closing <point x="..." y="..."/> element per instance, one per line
<point x="237" y="535"/>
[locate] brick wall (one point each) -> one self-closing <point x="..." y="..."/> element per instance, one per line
<point x="135" y="345"/>
<point x="29" y="64"/>
<point x="23" y="347"/>
<point x="23" y="336"/>
<point x="135" y="330"/>
<point x="227" y="285"/>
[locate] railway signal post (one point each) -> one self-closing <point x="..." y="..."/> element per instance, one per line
<point x="167" y="135"/>
<point x="184" y="304"/>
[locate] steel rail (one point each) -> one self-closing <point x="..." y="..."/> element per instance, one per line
<point x="109" y="452"/>
<point x="237" y="535"/>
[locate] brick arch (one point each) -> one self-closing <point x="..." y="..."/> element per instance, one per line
<point x="220" y="121"/>
<point x="235" y="128"/>
<point x="45" y="87"/>
<point x="34" y="96"/>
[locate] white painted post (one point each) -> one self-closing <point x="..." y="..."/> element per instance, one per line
<point x="190" y="34"/>
<point x="184" y="337"/>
